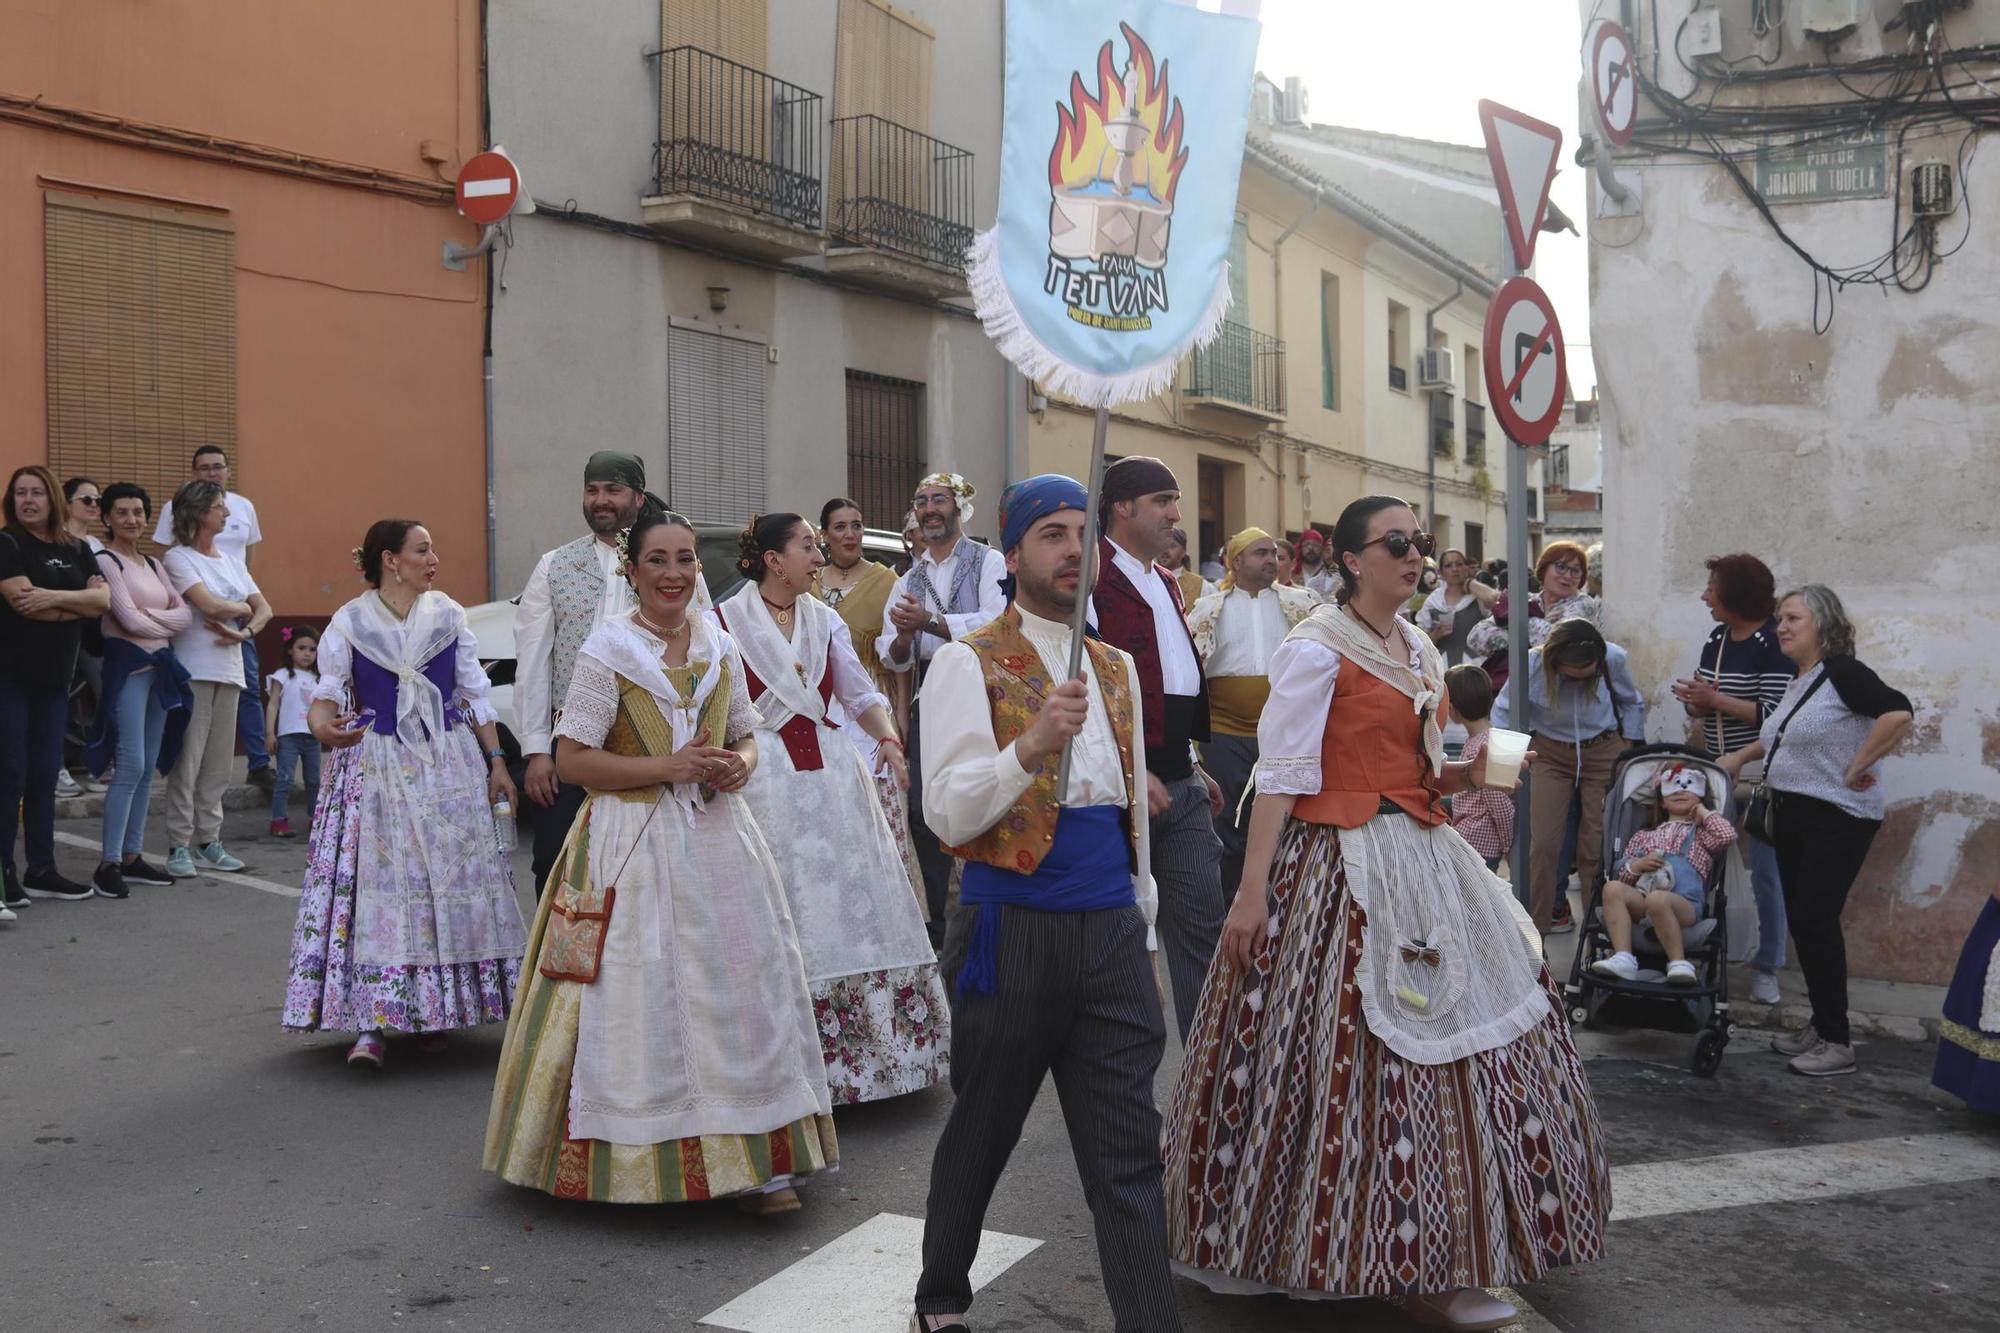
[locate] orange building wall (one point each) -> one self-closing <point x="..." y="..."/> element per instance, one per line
<point x="358" y="355"/>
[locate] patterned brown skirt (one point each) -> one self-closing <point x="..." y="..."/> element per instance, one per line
<point x="1306" y="1157"/>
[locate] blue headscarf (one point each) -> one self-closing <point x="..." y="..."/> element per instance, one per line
<point x="1028" y="501"/>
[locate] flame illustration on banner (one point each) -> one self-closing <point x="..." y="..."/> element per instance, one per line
<point x="1089" y="303"/>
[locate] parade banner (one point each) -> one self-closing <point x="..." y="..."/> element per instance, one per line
<point x="1120" y="151"/>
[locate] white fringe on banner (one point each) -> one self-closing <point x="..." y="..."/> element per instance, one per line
<point x="1018" y="343"/>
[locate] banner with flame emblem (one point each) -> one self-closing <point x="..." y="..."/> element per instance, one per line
<point x="1108" y="260"/>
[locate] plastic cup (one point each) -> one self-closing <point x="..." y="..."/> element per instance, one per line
<point x="1504" y="752"/>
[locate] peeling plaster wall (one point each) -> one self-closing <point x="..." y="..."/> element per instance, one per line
<point x="1863" y="458"/>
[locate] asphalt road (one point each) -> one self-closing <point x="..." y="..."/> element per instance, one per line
<point x="172" y="1160"/>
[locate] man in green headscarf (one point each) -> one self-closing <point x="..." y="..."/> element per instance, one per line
<point x="574" y="589"/>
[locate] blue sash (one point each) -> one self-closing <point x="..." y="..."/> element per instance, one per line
<point x="1088" y="869"/>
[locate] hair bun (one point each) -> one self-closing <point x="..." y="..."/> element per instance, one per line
<point x="749" y="558"/>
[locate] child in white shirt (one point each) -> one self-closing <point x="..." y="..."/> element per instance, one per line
<point x="288" y="697"/>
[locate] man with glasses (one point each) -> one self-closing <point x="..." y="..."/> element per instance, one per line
<point x="239" y="533"/>
<point x="952" y="588"/>
<point x="1137" y="606"/>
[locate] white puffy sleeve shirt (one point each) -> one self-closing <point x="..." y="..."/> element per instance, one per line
<point x="1293" y="728"/>
<point x="970" y="782"/>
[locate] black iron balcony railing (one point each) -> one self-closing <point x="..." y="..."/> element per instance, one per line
<point x="896" y="189"/>
<point x="1443" y="442"/>
<point x="1241" y="366"/>
<point x="1475" y="434"/>
<point x="737" y="135"/>
<point x="1399" y="378"/>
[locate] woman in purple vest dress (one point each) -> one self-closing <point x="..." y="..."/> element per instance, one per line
<point x="407" y="920"/>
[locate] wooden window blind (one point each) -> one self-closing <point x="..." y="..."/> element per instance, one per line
<point x="882" y="65"/>
<point x="715" y="425"/>
<point x="141" y="330"/>
<point x="736" y="30"/>
<point x="885" y="450"/>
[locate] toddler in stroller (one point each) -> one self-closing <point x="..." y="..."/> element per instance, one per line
<point x="1663" y="876"/>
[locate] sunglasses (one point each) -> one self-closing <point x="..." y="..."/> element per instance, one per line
<point x="1398" y="544"/>
<point x="89" y="500"/>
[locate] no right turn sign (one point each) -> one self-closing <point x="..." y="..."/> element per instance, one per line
<point x="1526" y="368"/>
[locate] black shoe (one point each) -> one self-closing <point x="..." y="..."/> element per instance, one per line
<point x="108" y="883"/>
<point x="266" y="779"/>
<point x="10" y="890"/>
<point x="49" y="884"/>
<point x="139" y="870"/>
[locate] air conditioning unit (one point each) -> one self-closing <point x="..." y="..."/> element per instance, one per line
<point x="1437" y="370"/>
<point x="1296" y="107"/>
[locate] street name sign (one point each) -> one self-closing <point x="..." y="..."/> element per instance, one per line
<point x="1526" y="367"/>
<point x="1523" y="152"/>
<point x="1816" y="167"/>
<point x="1614" y="83"/>
<point x="489" y="185"/>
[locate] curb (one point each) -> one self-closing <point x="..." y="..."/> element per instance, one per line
<point x="1789" y="1017"/>
<point x="236" y="796"/>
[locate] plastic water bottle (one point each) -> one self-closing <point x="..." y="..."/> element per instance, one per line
<point x="505" y="831"/>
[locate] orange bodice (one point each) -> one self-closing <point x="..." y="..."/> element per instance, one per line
<point x="1372" y="748"/>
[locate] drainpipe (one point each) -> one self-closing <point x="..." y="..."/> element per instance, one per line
<point x="1278" y="318"/>
<point x="1430" y="454"/>
<point x="1016" y="453"/>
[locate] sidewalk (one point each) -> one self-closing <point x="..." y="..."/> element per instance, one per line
<point x="1891" y="1009"/>
<point x="240" y="794"/>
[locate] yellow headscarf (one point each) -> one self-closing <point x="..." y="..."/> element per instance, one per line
<point x="1236" y="546"/>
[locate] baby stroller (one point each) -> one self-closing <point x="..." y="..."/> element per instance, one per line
<point x="1595" y="1000"/>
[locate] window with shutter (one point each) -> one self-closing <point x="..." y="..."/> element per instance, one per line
<point x="885" y="452"/>
<point x="715" y="425"/>
<point x="882" y="70"/>
<point x="736" y="30"/>
<point x="141" y="339"/>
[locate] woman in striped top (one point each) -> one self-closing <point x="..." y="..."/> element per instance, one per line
<point x="1738" y="680"/>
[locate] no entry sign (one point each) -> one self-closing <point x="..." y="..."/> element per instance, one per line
<point x="1526" y="368"/>
<point x="1614" y="83"/>
<point x="489" y="185"/>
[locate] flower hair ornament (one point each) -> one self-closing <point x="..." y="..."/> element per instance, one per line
<point x="625" y="547"/>
<point x="285" y="634"/>
<point x="958" y="486"/>
<point x="355" y="556"/>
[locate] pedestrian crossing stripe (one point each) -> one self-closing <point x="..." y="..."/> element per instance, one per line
<point x="1790" y="1175"/>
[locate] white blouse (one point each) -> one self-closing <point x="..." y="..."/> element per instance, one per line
<point x="336" y="674"/>
<point x="1290" y="733"/>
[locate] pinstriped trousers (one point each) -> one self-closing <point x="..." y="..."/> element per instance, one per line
<point x="1187" y="871"/>
<point x="1076" y="998"/>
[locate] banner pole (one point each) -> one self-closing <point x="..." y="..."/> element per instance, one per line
<point x="1086" y="577"/>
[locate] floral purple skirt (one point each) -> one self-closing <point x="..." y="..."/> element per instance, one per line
<point x="327" y="990"/>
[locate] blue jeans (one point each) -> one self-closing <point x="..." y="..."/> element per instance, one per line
<point x="141" y="720"/>
<point x="295" y="750"/>
<point x="250" y="711"/>
<point x="1769" y="889"/>
<point x="31" y="754"/>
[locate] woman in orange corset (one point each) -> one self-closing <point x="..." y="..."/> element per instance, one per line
<point x="1380" y="1096"/>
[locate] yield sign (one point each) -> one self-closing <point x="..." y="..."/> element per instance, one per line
<point x="1526" y="367"/>
<point x="489" y="185"/>
<point x="1614" y="83"/>
<point x="1523" y="152"/>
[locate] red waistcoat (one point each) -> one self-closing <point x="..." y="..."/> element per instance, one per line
<point x="1125" y="620"/>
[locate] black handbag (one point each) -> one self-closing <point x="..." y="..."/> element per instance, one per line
<point x="1760" y="818"/>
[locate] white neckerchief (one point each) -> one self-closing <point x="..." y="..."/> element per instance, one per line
<point x="791" y="669"/>
<point x="403" y="647"/>
<point x="632" y="651"/>
<point x="1333" y="629"/>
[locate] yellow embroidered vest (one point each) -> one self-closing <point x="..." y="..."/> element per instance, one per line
<point x="1016" y="684"/>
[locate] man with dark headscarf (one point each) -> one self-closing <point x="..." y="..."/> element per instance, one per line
<point x="574" y="588"/>
<point x="1137" y="606"/>
<point x="1054" y="977"/>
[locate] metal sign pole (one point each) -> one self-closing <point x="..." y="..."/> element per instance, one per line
<point x="1086" y="577"/>
<point x="1517" y="618"/>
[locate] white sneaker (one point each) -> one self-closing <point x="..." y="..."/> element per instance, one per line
<point x="7" y="914"/>
<point x="66" y="786"/>
<point x="1764" y="987"/>
<point x="1620" y="965"/>
<point x="1680" y="972"/>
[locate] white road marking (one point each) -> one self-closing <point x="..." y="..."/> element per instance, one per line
<point x="218" y="876"/>
<point x="860" y="1283"/>
<point x="1787" y="1175"/>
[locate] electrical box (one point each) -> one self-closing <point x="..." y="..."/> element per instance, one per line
<point x="1437" y="370"/>
<point x="1297" y="106"/>
<point x="1703" y="35"/>
<point x="1830" y="18"/>
<point x="1932" y="193"/>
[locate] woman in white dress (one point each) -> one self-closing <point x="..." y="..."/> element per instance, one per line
<point x="877" y="996"/>
<point x="663" y="1050"/>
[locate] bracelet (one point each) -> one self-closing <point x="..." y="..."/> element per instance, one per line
<point x="891" y="740"/>
<point x="496" y="754"/>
